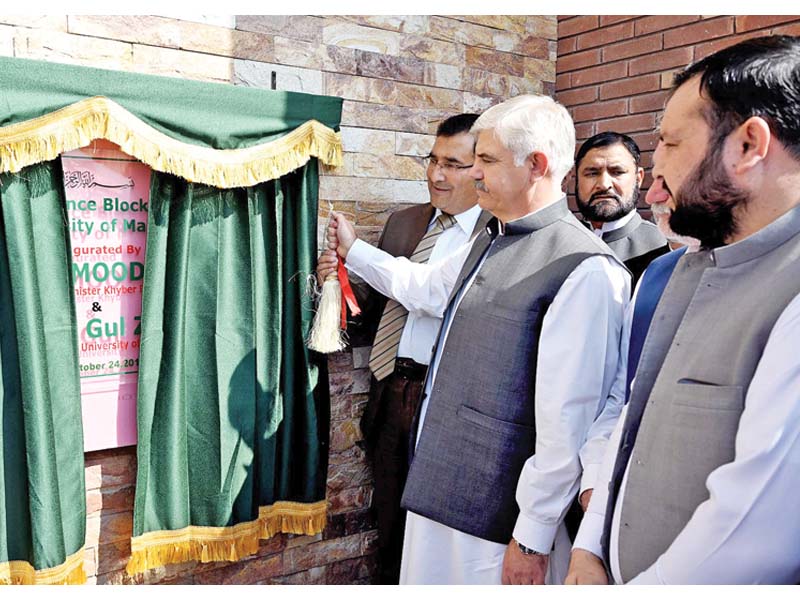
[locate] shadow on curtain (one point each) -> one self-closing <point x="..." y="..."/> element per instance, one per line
<point x="232" y="439"/>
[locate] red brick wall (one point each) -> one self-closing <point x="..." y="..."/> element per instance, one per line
<point x="613" y="72"/>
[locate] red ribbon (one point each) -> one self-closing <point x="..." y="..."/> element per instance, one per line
<point x="348" y="297"/>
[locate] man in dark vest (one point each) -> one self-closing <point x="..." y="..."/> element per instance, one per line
<point x="698" y="484"/>
<point x="607" y="181"/>
<point x="401" y="340"/>
<point x="504" y="415"/>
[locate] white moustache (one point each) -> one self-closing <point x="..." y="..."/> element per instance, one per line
<point x="660" y="209"/>
<point x="479" y="186"/>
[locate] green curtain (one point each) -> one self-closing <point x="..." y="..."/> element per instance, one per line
<point x="233" y="409"/>
<point x="42" y="495"/>
<point x="233" y="426"/>
<point x="211" y="115"/>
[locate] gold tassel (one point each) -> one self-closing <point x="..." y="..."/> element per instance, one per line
<point x="20" y="572"/>
<point x="209" y="544"/>
<point x="325" y="335"/>
<point x="75" y="126"/>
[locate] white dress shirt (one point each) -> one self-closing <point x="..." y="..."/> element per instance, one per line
<point x="579" y="352"/>
<point x="594" y="449"/>
<point x="612" y="225"/>
<point x="419" y="332"/>
<point x="747" y="532"/>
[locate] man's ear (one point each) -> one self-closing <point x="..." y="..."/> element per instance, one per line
<point x="538" y="166"/>
<point x="749" y="144"/>
<point x="639" y="175"/>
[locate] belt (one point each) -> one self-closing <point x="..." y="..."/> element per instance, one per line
<point x="409" y="369"/>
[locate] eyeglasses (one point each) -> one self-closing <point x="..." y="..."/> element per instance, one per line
<point x="431" y="162"/>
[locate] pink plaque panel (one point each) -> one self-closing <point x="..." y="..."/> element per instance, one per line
<point x="107" y="195"/>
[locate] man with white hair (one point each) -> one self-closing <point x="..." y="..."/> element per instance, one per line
<point x="504" y="414"/>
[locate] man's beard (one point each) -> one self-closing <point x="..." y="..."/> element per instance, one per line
<point x="705" y="203"/>
<point x="604" y="212"/>
<point x="661" y="215"/>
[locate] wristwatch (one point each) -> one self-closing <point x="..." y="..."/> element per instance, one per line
<point x="529" y="551"/>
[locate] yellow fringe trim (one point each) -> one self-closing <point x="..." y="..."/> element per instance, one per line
<point x="292" y="517"/>
<point x="75" y="126"/>
<point x="208" y="544"/>
<point x="20" y="572"/>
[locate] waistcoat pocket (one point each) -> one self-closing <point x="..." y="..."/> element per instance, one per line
<point x="478" y="418"/>
<point x="515" y="315"/>
<point x="708" y="396"/>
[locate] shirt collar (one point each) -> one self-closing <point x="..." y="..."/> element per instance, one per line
<point x="761" y="242"/>
<point x="537" y="219"/>
<point x="466" y="220"/>
<point x="614" y="225"/>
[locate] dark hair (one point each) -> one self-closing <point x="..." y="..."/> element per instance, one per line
<point x="607" y="138"/>
<point x="456" y="124"/>
<point x="757" y="77"/>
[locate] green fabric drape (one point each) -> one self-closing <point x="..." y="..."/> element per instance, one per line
<point x="233" y="410"/>
<point x="233" y="427"/>
<point x="204" y="114"/>
<point x="42" y="497"/>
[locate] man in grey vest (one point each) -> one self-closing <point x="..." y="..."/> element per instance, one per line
<point x="701" y="486"/>
<point x="402" y="341"/>
<point x="607" y="180"/>
<point x="504" y="416"/>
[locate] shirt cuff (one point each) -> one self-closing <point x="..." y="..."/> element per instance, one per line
<point x="359" y="256"/>
<point x="589" y="534"/>
<point x="535" y="535"/>
<point x="589" y="477"/>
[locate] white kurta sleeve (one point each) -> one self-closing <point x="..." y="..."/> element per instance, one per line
<point x="419" y="287"/>
<point x="577" y="360"/>
<point x="594" y="449"/>
<point x="591" y="529"/>
<point x="748" y="530"/>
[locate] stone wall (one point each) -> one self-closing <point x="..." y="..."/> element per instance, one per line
<point x="614" y="72"/>
<point x="399" y="76"/>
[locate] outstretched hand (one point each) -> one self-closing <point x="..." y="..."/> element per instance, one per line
<point x="341" y="234"/>
<point x="339" y="237"/>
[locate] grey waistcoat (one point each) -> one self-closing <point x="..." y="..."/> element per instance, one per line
<point x="479" y="426"/>
<point x="635" y="238"/>
<point x="704" y="344"/>
<point x="636" y="244"/>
